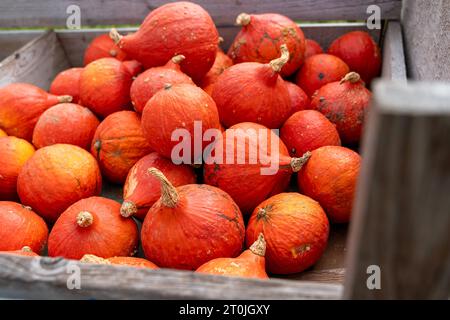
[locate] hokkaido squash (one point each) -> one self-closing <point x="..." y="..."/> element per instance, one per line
<point x="67" y="82"/>
<point x="142" y="190"/>
<point x="25" y="251"/>
<point x="118" y="144"/>
<point x="312" y="48"/>
<point x="190" y="225"/>
<point x="20" y="227"/>
<point x="296" y="229"/>
<point x="299" y="99"/>
<point x="221" y="63"/>
<point x="261" y="37"/>
<point x="250" y="264"/>
<point x="329" y="177"/>
<point x="93" y="226"/>
<point x="154" y="79"/>
<point x="65" y="123"/>
<point x="56" y="177"/>
<point x="252" y="91"/>
<point x="103" y="47"/>
<point x="2" y="133"/>
<point x="125" y="261"/>
<point x="14" y="152"/>
<point x="21" y="105"/>
<point x="174" y="28"/>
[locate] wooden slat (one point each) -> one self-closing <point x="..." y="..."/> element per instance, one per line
<point x="29" y="278"/>
<point x="13" y="40"/>
<point x="36" y="63"/>
<point x="393" y="55"/>
<point x="25" y="13"/>
<point x="401" y="217"/>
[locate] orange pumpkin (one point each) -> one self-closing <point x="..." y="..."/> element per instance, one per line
<point x="103" y="47"/>
<point x="21" y="105"/>
<point x="125" y="261"/>
<point x="142" y="190"/>
<point x="312" y="48"/>
<point x="93" y="226"/>
<point x="65" y="123"/>
<point x="118" y="144"/>
<point x="20" y="227"/>
<point x="14" y="152"/>
<point x="296" y="230"/>
<point x="56" y="177"/>
<point x="299" y="99"/>
<point x="191" y="225"/>
<point x="25" y="251"/>
<point x="2" y="133"/>
<point x="329" y="177"/>
<point x="67" y="82"/>
<point x="221" y="63"/>
<point x="250" y="264"/>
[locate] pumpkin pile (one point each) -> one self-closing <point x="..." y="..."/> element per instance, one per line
<point x="148" y="109"/>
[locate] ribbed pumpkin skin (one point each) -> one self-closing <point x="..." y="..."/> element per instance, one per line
<point x="143" y="190"/>
<point x="65" y="123"/>
<point x="244" y="182"/>
<point x="177" y="107"/>
<point x="133" y="262"/>
<point x="346" y="105"/>
<point x="118" y="144"/>
<point x="105" y="86"/>
<point x="308" y="130"/>
<point x="252" y="92"/>
<point x="360" y="52"/>
<point x="67" y="82"/>
<point x="260" y="41"/>
<point x="312" y="48"/>
<point x="21" y="105"/>
<point x="21" y="227"/>
<point x="56" y="177"/>
<point x="110" y="234"/>
<point x="175" y="28"/>
<point x="299" y="99"/>
<point x="330" y="177"/>
<point x="320" y="69"/>
<point x="154" y="79"/>
<point x="296" y="231"/>
<point x="103" y="47"/>
<point x="14" y="152"/>
<point x="205" y="224"/>
<point x="221" y="63"/>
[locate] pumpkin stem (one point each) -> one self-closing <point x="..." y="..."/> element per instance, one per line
<point x="259" y="246"/>
<point x="64" y="99"/>
<point x="26" y="249"/>
<point x="167" y="86"/>
<point x="243" y="19"/>
<point x="112" y="53"/>
<point x="90" y="258"/>
<point x="278" y="63"/>
<point x="351" y="77"/>
<point x="169" y="195"/>
<point x="298" y="163"/>
<point x="115" y="36"/>
<point x="85" y="219"/>
<point x="178" y="58"/>
<point x="220" y="40"/>
<point x="128" y="209"/>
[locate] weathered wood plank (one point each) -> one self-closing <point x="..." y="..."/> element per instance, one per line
<point x="24" y="13"/>
<point x="426" y="26"/>
<point x="46" y="278"/>
<point x="401" y="218"/>
<point x="393" y="55"/>
<point x="37" y="62"/>
<point x="13" y="40"/>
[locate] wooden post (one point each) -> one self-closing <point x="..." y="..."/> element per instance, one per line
<point x="401" y="220"/>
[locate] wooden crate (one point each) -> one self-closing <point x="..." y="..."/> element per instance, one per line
<point x="380" y="198"/>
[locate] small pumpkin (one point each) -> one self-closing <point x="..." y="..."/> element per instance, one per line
<point x="2" y="133"/>
<point x="299" y="99"/>
<point x="254" y="92"/>
<point x="261" y="37"/>
<point x="14" y="152"/>
<point x="134" y="67"/>
<point x="93" y="226"/>
<point x="67" y="82"/>
<point x="103" y="46"/>
<point x="174" y="28"/>
<point x="221" y="63"/>
<point x="21" y="105"/>
<point x="345" y="103"/>
<point x="296" y="229"/>
<point x="308" y="130"/>
<point x="142" y="190"/>
<point x="179" y="107"/>
<point x="250" y="264"/>
<point x="25" y="251"/>
<point x="118" y="144"/>
<point x="320" y="69"/>
<point x="312" y="48"/>
<point x="190" y="225"/>
<point x="154" y="79"/>
<point x="105" y="86"/>
<point x="246" y="168"/>
<point x="21" y="227"/>
<point x="329" y="177"/>
<point x="65" y="123"/>
<point x="56" y="177"/>
<point x="125" y="261"/>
